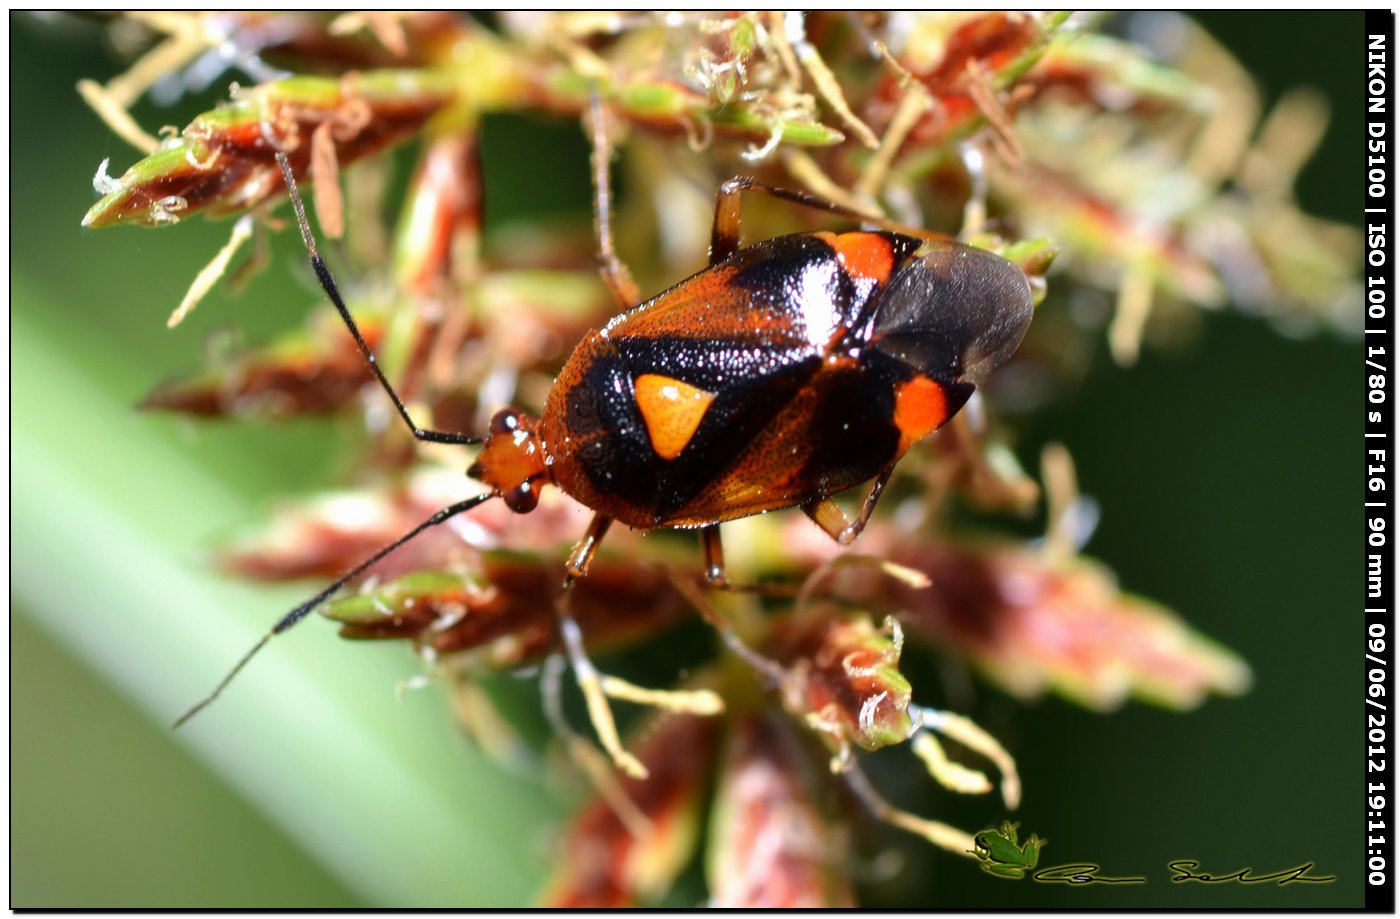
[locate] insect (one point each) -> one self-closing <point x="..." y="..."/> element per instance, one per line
<point x="784" y="373"/>
<point x="1003" y="855"/>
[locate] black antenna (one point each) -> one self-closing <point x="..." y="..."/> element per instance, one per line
<point x="297" y="613"/>
<point x="323" y="274"/>
<point x="300" y="611"/>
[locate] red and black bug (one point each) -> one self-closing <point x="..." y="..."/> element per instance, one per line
<point x="784" y="373"/>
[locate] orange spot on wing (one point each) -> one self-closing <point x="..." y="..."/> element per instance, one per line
<point x="920" y="406"/>
<point x="672" y="410"/>
<point x="865" y="255"/>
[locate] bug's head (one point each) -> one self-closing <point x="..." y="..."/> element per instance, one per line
<point x="512" y="461"/>
<point x="955" y="312"/>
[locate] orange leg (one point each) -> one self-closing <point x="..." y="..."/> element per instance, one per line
<point x="615" y="274"/>
<point x="725" y="238"/>
<point x="826" y="514"/>
<point x="582" y="554"/>
<point x="716" y="577"/>
<point x="714" y="557"/>
<point x="598" y="687"/>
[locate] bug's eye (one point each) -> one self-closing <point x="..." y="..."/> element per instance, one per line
<point x="505" y="421"/>
<point x="522" y="499"/>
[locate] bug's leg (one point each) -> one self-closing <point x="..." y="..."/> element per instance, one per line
<point x="826" y="514"/>
<point x="714" y="557"/>
<point x="323" y="274"/>
<point x="598" y="687"/>
<point x="583" y="551"/>
<point x="716" y="577"/>
<point x="615" y="273"/>
<point x="724" y="236"/>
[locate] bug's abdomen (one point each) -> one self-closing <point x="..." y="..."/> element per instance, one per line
<point x="831" y="435"/>
<point x="849" y="421"/>
<point x="636" y="428"/>
<point x="749" y="387"/>
<point x="651" y="450"/>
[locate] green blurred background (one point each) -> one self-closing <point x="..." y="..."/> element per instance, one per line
<point x="1227" y="471"/>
